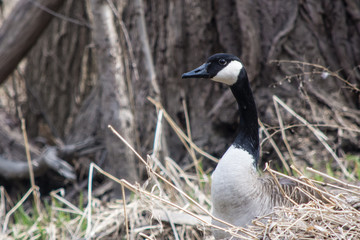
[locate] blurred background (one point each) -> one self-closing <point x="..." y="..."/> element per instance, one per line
<point x="70" y="68"/>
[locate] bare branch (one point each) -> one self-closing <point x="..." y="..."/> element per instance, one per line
<point x="23" y="27"/>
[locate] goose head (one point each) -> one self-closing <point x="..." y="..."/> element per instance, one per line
<point x="221" y="67"/>
<point x="228" y="69"/>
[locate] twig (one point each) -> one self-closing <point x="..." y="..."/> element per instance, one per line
<point x="89" y="207"/>
<point x="170" y="220"/>
<point x="277" y="150"/>
<point x="31" y="170"/>
<point x="186" y="179"/>
<point x="155" y="173"/>
<point x="291" y="225"/>
<point x="125" y="214"/>
<point x="145" y="236"/>
<point x="283" y="134"/>
<point x="66" y="202"/>
<point x="2" y="201"/>
<point x="278" y="184"/>
<point x="306" y="184"/>
<point x="192" y="152"/>
<point x="180" y="133"/>
<point x="324" y="69"/>
<point x="22" y="200"/>
<point x="314" y="125"/>
<point x="319" y="135"/>
<point x="169" y="183"/>
<point x="171" y="176"/>
<point x="332" y="178"/>
<point x="316" y="131"/>
<point x="335" y="186"/>
<point x="83" y="217"/>
<point x="153" y="196"/>
<point x="158" y="133"/>
<point x="308" y="181"/>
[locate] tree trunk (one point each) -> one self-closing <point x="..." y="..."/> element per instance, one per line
<point x="24" y="26"/>
<point x="115" y="108"/>
<point x="59" y="73"/>
<point x="183" y="34"/>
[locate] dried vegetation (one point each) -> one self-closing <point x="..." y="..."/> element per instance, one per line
<point x="174" y="203"/>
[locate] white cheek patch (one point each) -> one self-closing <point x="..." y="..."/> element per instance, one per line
<point x="229" y="74"/>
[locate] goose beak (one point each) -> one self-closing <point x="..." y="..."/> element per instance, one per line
<point x="200" y="72"/>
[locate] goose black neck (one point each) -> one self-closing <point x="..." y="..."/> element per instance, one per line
<point x="248" y="136"/>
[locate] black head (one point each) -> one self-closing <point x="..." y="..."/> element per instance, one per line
<point x="221" y="67"/>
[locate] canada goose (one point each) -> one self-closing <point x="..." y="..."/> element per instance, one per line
<point x="238" y="192"/>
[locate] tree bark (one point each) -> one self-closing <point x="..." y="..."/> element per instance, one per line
<point x="59" y="73"/>
<point x="21" y="30"/>
<point x="114" y="102"/>
<point x="183" y="34"/>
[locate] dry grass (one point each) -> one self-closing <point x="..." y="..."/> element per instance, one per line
<point x="310" y="221"/>
<point x="174" y="204"/>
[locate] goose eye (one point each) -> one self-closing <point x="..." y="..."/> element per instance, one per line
<point x="222" y="61"/>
